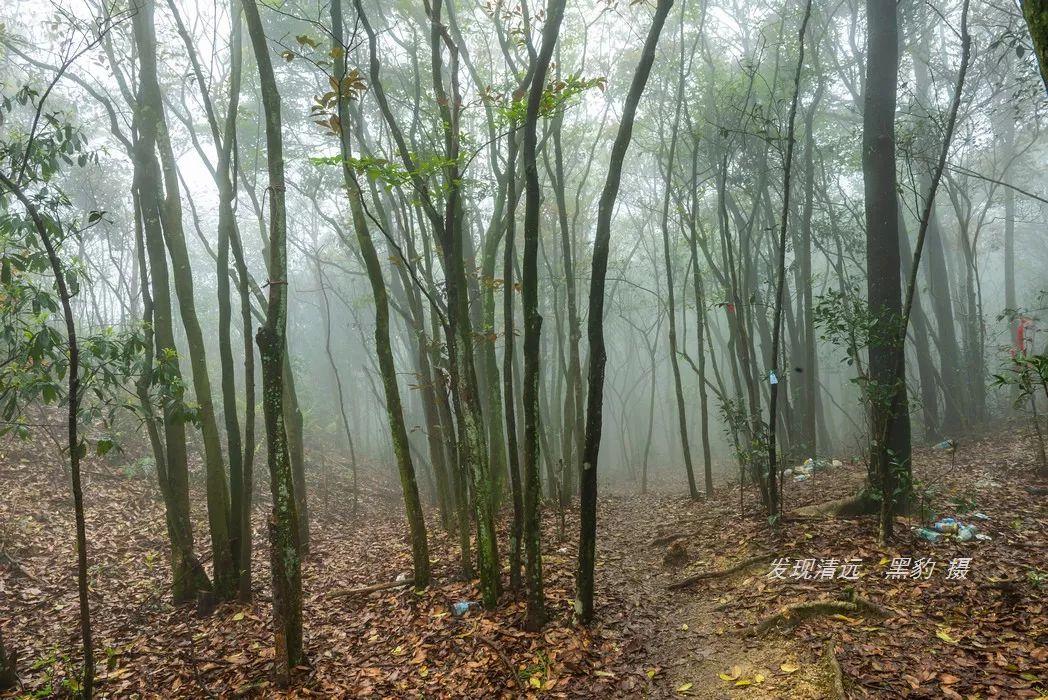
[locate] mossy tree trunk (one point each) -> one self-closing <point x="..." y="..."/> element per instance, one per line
<point x="285" y="557"/>
<point x="394" y="409"/>
<point x="151" y="117"/>
<point x="188" y="577"/>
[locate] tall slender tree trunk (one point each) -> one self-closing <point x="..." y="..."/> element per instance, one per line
<point x="595" y="321"/>
<point x="536" y="614"/>
<point x="807" y="438"/>
<point x="340" y="392"/>
<point x="285" y="557"/>
<point x="466" y="395"/>
<point x="387" y="367"/>
<point x="187" y="575"/>
<point x="513" y="450"/>
<point x="951" y="369"/>
<point x="678" y="390"/>
<point x="573" y="397"/>
<point x="239" y="518"/>
<point x="700" y="328"/>
<point x="75" y="447"/>
<point x="773" y="419"/>
<point x="151" y="120"/>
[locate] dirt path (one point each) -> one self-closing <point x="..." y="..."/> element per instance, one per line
<point x="691" y="644"/>
<point x="983" y="634"/>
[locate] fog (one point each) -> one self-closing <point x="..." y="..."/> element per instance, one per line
<point x="405" y="135"/>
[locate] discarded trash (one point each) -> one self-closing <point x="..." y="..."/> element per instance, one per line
<point x="947" y="526"/>
<point x="926" y="534"/>
<point x="402" y="576"/>
<point x="837" y="463"/>
<point x="787" y="472"/>
<point x="983" y="538"/>
<point x="947" y="445"/>
<point x="980" y="516"/>
<point x="461" y="608"/>
<point x="803" y="472"/>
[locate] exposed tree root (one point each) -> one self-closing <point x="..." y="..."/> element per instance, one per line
<point x="852" y="506"/>
<point x="350" y="592"/>
<point x="836" y="675"/>
<point x="10" y="561"/>
<point x="721" y="573"/>
<point x="673" y="537"/>
<point x="792" y="615"/>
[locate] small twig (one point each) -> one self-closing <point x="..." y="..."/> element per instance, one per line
<point x="349" y="592"/>
<point x="503" y="658"/>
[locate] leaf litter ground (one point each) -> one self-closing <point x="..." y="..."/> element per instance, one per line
<point x="982" y="636"/>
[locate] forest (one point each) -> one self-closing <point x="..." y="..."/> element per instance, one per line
<point x="563" y="348"/>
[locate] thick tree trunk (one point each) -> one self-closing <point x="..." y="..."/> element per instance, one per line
<point x="889" y="430"/>
<point x="187" y="576"/>
<point x="294" y="422"/>
<point x="1036" y="14"/>
<point x="8" y="666"/>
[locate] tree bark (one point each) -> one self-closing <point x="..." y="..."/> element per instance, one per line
<point x="151" y="120"/>
<point x="536" y="613"/>
<point x="285" y="558"/>
<point x="75" y="447"/>
<point x="889" y="451"/>
<point x="1036" y="14"/>
<point x="387" y="367"/>
<point x="595" y="321"/>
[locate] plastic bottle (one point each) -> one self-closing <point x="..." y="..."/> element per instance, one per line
<point x="926" y="534"/>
